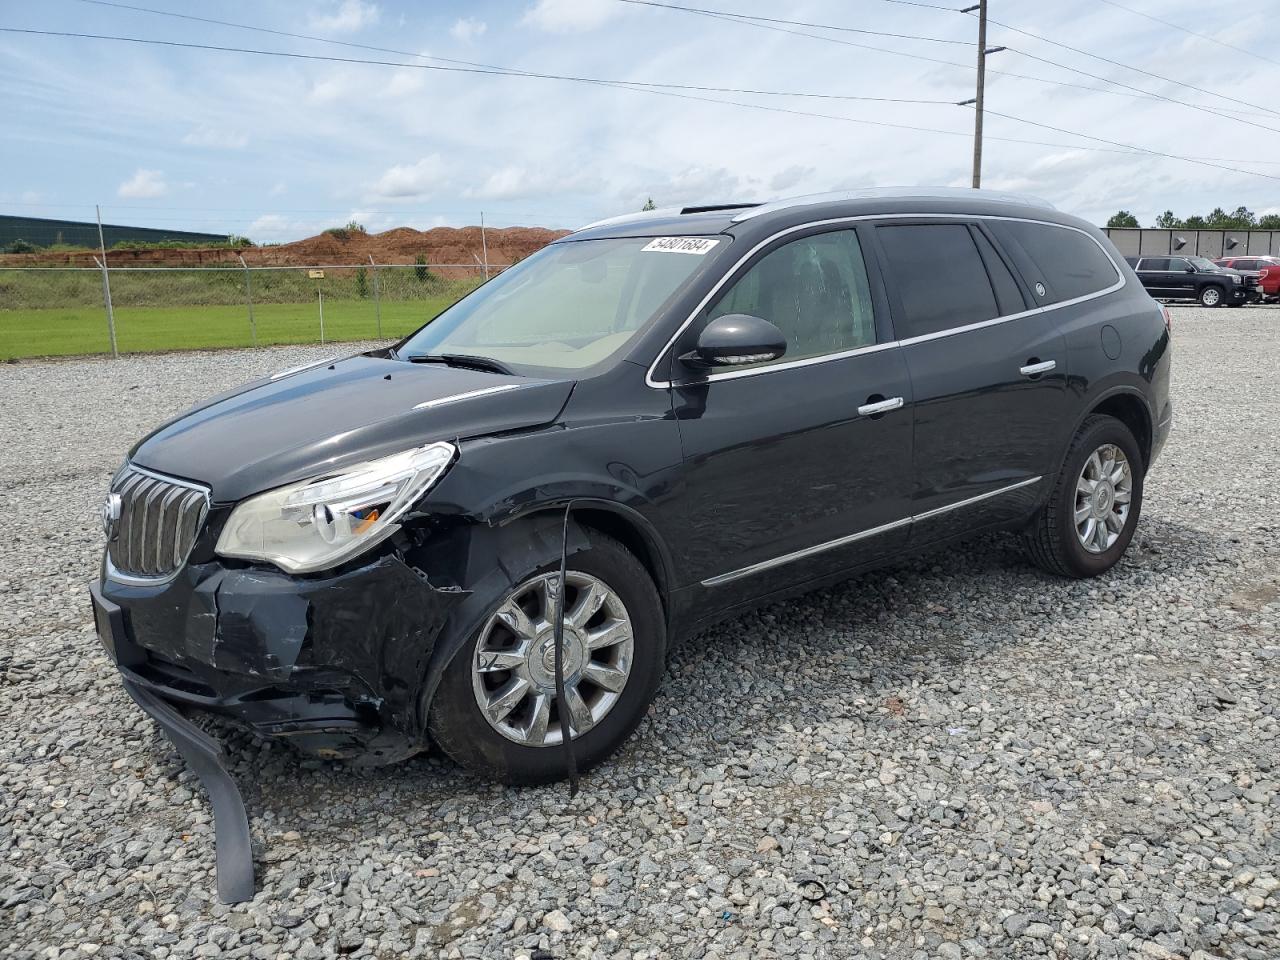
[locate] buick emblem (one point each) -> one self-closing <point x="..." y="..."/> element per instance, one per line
<point x="111" y="515"/>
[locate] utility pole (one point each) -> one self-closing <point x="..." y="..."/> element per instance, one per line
<point x="981" y="8"/>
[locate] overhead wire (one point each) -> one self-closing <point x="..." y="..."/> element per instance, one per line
<point x="1202" y="36"/>
<point x="774" y="23"/>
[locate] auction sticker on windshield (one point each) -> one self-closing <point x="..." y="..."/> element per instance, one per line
<point x="695" y="245"/>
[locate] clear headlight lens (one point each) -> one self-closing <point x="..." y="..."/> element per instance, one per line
<point x="1237" y="279"/>
<point x="317" y="524"/>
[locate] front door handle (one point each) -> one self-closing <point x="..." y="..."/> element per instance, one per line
<point x="1037" y="367"/>
<point x="879" y="406"/>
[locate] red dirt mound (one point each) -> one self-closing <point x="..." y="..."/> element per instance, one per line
<point x="439" y="245"/>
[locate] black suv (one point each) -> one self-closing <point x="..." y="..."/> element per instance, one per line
<point x="688" y="412"/>
<point x="1193" y="278"/>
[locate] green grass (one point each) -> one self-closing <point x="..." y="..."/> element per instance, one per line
<point x="52" y="332"/>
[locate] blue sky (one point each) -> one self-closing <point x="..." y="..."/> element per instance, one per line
<point x="278" y="149"/>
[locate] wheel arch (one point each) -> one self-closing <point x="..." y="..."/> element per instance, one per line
<point x="522" y="543"/>
<point x="1130" y="407"/>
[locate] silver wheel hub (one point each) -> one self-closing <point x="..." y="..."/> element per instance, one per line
<point x="513" y="672"/>
<point x="1104" y="491"/>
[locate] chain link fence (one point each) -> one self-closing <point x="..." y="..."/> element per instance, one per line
<point x="61" y="311"/>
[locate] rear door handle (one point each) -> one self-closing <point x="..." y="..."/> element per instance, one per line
<point x="1035" y="369"/>
<point x="880" y="406"/>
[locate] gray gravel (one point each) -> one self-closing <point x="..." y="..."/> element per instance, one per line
<point x="957" y="757"/>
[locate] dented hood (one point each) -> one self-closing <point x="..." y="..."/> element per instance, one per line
<point x="272" y="432"/>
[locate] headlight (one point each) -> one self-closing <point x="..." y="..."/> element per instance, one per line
<point x="319" y="523"/>
<point x="1237" y="279"/>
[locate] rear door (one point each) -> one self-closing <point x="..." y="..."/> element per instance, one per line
<point x="790" y="474"/>
<point x="1181" y="279"/>
<point x="988" y="372"/>
<point x="1154" y="274"/>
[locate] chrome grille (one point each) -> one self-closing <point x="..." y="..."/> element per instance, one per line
<point x="159" y="520"/>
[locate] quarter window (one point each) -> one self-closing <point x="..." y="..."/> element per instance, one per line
<point x="814" y="290"/>
<point x="939" y="276"/>
<point x="1070" y="263"/>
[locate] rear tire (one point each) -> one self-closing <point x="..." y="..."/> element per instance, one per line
<point x="524" y="745"/>
<point x="1211" y="296"/>
<point x="1080" y="532"/>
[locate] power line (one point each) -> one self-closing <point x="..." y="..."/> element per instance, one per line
<point x="795" y="23"/>
<point x="1130" y="146"/>
<point x="1202" y="36"/>
<point x="608" y="83"/>
<point x="1115" y="148"/>
<point x="1125" y="66"/>
<point x="490" y="68"/>
<point x="769" y="23"/>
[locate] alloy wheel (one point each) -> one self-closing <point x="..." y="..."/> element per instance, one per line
<point x="1104" y="492"/>
<point x="513" y="671"/>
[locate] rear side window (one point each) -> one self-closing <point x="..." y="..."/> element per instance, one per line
<point x="1154" y="263"/>
<point x="1067" y="262"/>
<point x="939" y="277"/>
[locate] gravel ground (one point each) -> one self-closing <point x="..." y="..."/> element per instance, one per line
<point x="957" y="757"/>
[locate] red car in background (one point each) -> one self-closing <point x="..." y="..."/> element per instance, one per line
<point x="1266" y="269"/>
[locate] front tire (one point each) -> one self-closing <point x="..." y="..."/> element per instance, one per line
<point x="1211" y="296"/>
<point x="496" y="711"/>
<point x="1089" y="519"/>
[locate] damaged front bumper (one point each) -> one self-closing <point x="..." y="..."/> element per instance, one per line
<point x="334" y="664"/>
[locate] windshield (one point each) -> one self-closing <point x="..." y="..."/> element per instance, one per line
<point x="569" y="306"/>
<point x="1205" y="265"/>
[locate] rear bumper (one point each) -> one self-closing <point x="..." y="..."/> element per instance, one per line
<point x="1160" y="433"/>
<point x="333" y="665"/>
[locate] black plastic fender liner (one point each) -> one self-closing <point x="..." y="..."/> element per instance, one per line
<point x="230" y="820"/>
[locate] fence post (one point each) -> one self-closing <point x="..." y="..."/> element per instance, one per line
<point x="377" y="296"/>
<point x="106" y="299"/>
<point x="320" y="294"/>
<point x="484" y="245"/>
<point x="106" y="286"/>
<point x="248" y="299"/>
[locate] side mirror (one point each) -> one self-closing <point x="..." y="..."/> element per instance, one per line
<point x="734" y="339"/>
<point x="1189" y="269"/>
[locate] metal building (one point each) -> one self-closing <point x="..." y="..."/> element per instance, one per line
<point x="1196" y="243"/>
<point x="45" y="233"/>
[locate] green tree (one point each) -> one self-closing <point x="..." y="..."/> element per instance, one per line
<point x="1122" y="218"/>
<point x="362" y="283"/>
<point x="649" y="205"/>
<point x="1269" y="221"/>
<point x="1218" y="219"/>
<point x="420" y="271"/>
<point x="1244" y="219"/>
<point x="1168" y="220"/>
<point x="1195" y="223"/>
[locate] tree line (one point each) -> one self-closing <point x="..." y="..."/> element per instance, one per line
<point x="1242" y="218"/>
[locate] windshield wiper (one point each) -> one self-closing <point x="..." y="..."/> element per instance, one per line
<point x="461" y="360"/>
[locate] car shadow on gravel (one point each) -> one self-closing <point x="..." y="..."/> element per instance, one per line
<point x="916" y="621"/>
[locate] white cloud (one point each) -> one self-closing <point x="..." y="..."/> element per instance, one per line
<point x="350" y="16"/>
<point x="411" y="179"/>
<point x="467" y="29"/>
<point x="144" y="183"/>
<point x="516" y="182"/>
<point x="217" y="139"/>
<point x="570" y="16"/>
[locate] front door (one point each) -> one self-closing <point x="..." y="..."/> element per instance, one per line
<point x="792" y="472"/>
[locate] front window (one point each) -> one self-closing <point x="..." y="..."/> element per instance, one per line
<point x="568" y="307"/>
<point x="1205" y="265"/>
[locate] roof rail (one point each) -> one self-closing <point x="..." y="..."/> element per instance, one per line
<point x="670" y="212"/>
<point x="871" y="193"/>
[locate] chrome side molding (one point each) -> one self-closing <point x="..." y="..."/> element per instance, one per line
<point x="786" y="558"/>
